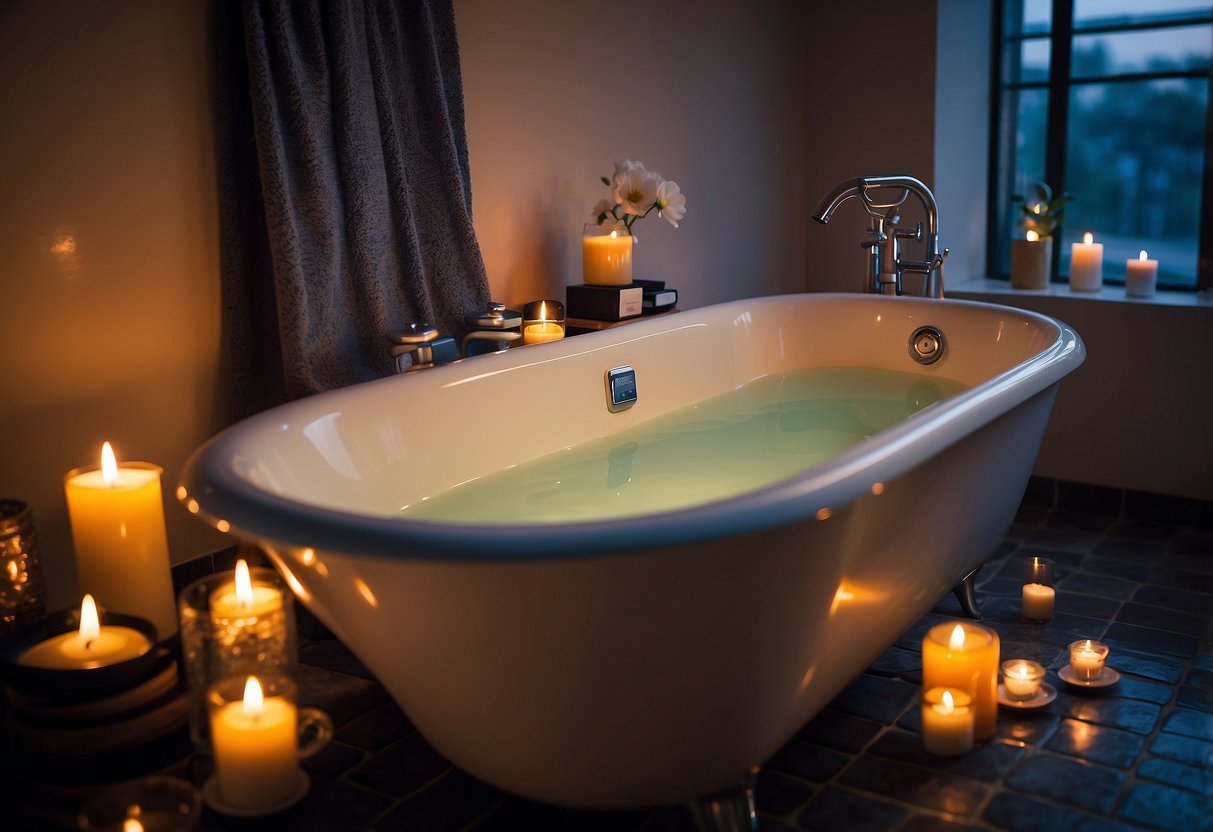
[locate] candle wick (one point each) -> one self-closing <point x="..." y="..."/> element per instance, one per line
<point x="88" y="644"/>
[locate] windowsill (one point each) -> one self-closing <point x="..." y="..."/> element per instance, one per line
<point x="988" y="289"/>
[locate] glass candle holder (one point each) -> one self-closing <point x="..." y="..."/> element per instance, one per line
<point x="606" y="254"/>
<point x="22" y="591"/>
<point x="963" y="656"/>
<point x="157" y="803"/>
<point x="947" y="721"/>
<point x="256" y="728"/>
<point x="1087" y="658"/>
<point x="1022" y="678"/>
<point x="223" y="635"/>
<point x="542" y="321"/>
<point x="1038" y="592"/>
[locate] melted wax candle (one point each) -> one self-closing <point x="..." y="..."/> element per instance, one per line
<point x="90" y="646"/>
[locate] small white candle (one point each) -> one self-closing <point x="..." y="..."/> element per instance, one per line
<point x="1086" y="265"/>
<point x="256" y="749"/>
<point x="1021" y="679"/>
<point x="1141" y="276"/>
<point x="1038" y="602"/>
<point x="947" y="722"/>
<point x="1087" y="659"/>
<point x="89" y="646"/>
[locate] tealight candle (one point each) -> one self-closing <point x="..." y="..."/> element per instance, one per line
<point x="964" y="656"/>
<point x="542" y="321"/>
<point x="947" y="721"/>
<point x="255" y="743"/>
<point x="117" y="521"/>
<point x="606" y="255"/>
<point x="1087" y="659"/>
<point x="248" y="619"/>
<point x="1141" y="276"/>
<point x="1086" y="264"/>
<point x="90" y="646"/>
<point x="1021" y="678"/>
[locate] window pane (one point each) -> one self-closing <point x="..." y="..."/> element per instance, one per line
<point x="1022" y="17"/>
<point x="1149" y="50"/>
<point x="1105" y="12"/>
<point x="1135" y="161"/>
<point x="1027" y="61"/>
<point x="1022" y="162"/>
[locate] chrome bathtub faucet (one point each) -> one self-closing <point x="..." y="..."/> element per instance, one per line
<point x="885" y="264"/>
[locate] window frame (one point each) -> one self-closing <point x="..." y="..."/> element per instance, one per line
<point x="1060" y="33"/>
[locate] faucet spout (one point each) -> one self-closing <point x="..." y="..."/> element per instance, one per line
<point x="840" y="194"/>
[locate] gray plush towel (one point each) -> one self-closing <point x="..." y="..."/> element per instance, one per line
<point x="345" y="192"/>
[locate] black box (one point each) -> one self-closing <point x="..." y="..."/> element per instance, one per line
<point x="604" y="303"/>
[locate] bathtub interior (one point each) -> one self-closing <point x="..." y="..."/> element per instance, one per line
<point x="375" y="447"/>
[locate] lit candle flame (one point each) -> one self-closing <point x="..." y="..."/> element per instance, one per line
<point x="1088" y="238"/>
<point x="614" y="234"/>
<point x="109" y="465"/>
<point x="244" y="585"/>
<point x="90" y="622"/>
<point x="132" y="822"/>
<point x="254" y="700"/>
<point x="543" y="310"/>
<point x="1142" y="255"/>
<point x="957" y="642"/>
<point x="948" y="704"/>
<point x="1036" y="208"/>
<point x="1033" y="236"/>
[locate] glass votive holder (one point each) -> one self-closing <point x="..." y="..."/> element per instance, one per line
<point x="542" y="321"/>
<point x="22" y="591"/>
<point x="1038" y="592"/>
<point x="228" y="631"/>
<point x="156" y="803"/>
<point x="606" y="254"/>
<point x="1087" y="659"/>
<point x="947" y="721"/>
<point x="1022" y="678"/>
<point x="258" y="736"/>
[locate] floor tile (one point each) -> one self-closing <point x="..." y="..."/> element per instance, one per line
<point x="1074" y="783"/>
<point x="448" y="805"/>
<point x="1018" y="813"/>
<point x="1161" y="807"/>
<point x="1097" y="743"/>
<point x="876" y="698"/>
<point x="809" y="761"/>
<point x="841" y="731"/>
<point x="835" y="809"/>
<point x="1192" y="778"/>
<point x="777" y="793"/>
<point x="920" y="786"/>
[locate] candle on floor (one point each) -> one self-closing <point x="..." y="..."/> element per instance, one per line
<point x="1087" y="659"/>
<point x="92" y="645"/>
<point x="1021" y="678"/>
<point x="1086" y="265"/>
<point x="255" y="742"/>
<point x="117" y="521"/>
<point x="947" y="721"/>
<point x="964" y="656"/>
<point x="1038" y="592"/>
<point x="248" y="619"/>
<point x="1141" y="276"/>
<point x="606" y="255"/>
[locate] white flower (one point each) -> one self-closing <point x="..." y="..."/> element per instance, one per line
<point x="671" y="202"/>
<point x="636" y="190"/>
<point x="604" y="208"/>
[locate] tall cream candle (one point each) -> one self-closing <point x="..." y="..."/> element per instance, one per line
<point x="964" y="656"/>
<point x="122" y="557"/>
<point x="1086" y="264"/>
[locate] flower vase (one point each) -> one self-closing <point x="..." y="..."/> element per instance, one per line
<point x="606" y="254"/>
<point x="1031" y="263"/>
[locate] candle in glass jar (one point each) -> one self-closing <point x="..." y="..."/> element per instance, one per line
<point x="117" y="521"/>
<point x="1086" y="264"/>
<point x="241" y="598"/>
<point x="964" y="656"/>
<point x="1021" y="679"/>
<point x="947" y="721"/>
<point x="606" y="256"/>
<point x="542" y="332"/>
<point x="256" y="749"/>
<point x="92" y="645"/>
<point x="1087" y="659"/>
<point x="1141" y="276"/>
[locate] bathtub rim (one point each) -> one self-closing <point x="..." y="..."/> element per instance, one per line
<point x="224" y="498"/>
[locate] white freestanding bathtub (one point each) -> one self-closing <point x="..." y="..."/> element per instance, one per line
<point x="652" y="659"/>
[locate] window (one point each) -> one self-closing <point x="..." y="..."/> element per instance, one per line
<point x="1108" y="100"/>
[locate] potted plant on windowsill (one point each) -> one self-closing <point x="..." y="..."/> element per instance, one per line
<point x="1032" y="257"/>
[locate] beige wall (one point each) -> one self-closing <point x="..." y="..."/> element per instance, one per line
<point x="108" y="252"/>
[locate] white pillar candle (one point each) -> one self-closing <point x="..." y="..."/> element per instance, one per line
<point x="256" y="749"/>
<point x="122" y="558"/>
<point x="1141" y="276"/>
<point x="1038" y="602"/>
<point x="1086" y="265"/>
<point x="947" y="721"/>
<point x="92" y="645"/>
<point x="1087" y="659"/>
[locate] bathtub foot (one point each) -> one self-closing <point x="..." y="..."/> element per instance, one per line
<point x="966" y="594"/>
<point x="726" y="811"/>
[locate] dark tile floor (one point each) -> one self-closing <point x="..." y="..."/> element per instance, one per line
<point x="1138" y="755"/>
